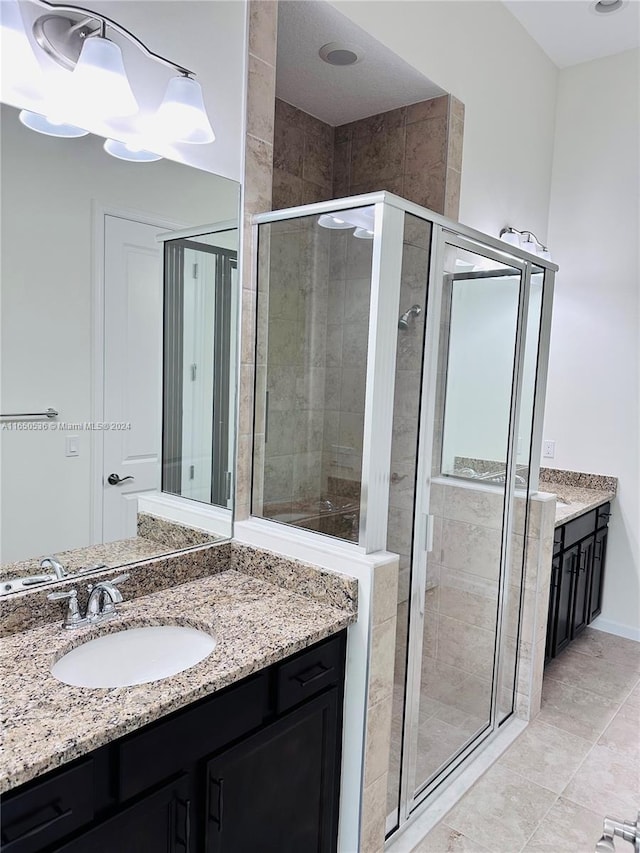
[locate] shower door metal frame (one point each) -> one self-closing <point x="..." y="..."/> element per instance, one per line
<point x="413" y="795"/>
<point x="375" y="495"/>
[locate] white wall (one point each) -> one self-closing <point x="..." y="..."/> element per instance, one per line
<point x="46" y="276"/>
<point x="593" y="393"/>
<point x="477" y="51"/>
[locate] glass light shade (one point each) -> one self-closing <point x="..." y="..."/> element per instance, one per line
<point x="511" y="237"/>
<point x="329" y="220"/>
<point x="544" y="253"/>
<point x="123" y="151"/>
<point x="182" y="116"/>
<point x="530" y="245"/>
<point x="99" y="85"/>
<point x="50" y="128"/>
<point x="363" y="233"/>
<point x="19" y="69"/>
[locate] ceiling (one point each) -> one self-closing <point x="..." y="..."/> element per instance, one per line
<point x="569" y="31"/>
<point x="381" y="81"/>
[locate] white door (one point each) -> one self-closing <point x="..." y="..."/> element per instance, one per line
<point x="132" y="370"/>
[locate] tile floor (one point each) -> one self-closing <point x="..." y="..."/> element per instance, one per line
<point x="578" y="761"/>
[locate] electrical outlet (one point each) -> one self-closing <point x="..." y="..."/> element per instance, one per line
<point x="548" y="449"/>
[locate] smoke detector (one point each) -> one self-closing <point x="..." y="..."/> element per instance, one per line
<point x="340" y="53"/>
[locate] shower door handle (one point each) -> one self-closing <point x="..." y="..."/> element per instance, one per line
<point x="428" y="533"/>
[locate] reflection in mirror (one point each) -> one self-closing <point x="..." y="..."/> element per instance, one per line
<point x="484" y="309"/>
<point x="200" y="299"/>
<point x="82" y="309"/>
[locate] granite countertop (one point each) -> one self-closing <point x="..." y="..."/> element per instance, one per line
<point x="576" y="492"/>
<point x="47" y="723"/>
<point x="156" y="538"/>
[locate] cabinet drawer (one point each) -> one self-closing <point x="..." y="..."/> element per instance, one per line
<point x="309" y="673"/>
<point x="580" y="527"/>
<point x="167" y="747"/>
<point x="49" y="810"/>
<point x="603" y="515"/>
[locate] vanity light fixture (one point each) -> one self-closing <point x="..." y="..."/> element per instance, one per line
<point x="526" y="240"/>
<point x="98" y="88"/>
<point x="361" y="219"/>
<point x="328" y="220"/>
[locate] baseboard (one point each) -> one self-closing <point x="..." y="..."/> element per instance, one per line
<point x="611" y="627"/>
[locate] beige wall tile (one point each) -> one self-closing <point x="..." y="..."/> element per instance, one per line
<point x="433" y="108"/>
<point x="378" y="740"/>
<point x="374" y="800"/>
<point x="261" y="90"/>
<point x="263" y="29"/>
<point x="426" y="145"/>
<point x="465" y="646"/>
<point x="454" y="142"/>
<point x="381" y="664"/>
<point x="258" y="175"/>
<point x="452" y="194"/>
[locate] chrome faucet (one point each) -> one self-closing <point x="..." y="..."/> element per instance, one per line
<point x="57" y="568"/>
<point x="623" y="829"/>
<point x="103" y="598"/>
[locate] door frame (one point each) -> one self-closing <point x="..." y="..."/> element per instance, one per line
<point x="413" y="797"/>
<point x="99" y="212"/>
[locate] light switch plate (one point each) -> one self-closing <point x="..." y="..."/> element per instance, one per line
<point x="72" y="445"/>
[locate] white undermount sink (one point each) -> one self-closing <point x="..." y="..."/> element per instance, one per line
<point x="133" y="656"/>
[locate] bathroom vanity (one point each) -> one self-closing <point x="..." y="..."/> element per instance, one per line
<point x="579" y="555"/>
<point x="240" y="752"/>
<point x="256" y="766"/>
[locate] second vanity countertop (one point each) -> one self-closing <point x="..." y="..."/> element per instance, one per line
<point x="577" y="492"/>
<point x="47" y="723"/>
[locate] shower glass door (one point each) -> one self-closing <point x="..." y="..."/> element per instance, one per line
<point x="463" y="519"/>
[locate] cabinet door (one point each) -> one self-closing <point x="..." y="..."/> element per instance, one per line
<point x="553" y="608"/>
<point x="582" y="584"/>
<point x="277" y="791"/>
<point x="568" y="568"/>
<point x="159" y="823"/>
<point x="597" y="574"/>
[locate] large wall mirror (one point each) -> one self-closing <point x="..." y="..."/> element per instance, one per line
<point x="111" y="269"/>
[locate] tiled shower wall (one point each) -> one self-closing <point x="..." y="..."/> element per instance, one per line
<point x="302" y="158"/>
<point x="414" y="152"/>
<point x="294" y="353"/>
<point x="316" y="288"/>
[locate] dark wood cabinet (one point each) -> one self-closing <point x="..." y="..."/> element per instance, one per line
<point x="159" y="822"/>
<point x="254" y="767"/>
<point x="568" y="568"/>
<point x="597" y="573"/>
<point x="282" y="778"/>
<point x="577" y="576"/>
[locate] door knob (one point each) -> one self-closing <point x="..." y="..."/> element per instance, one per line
<point x="116" y="479"/>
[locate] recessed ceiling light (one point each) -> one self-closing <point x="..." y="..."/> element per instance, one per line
<point x="603" y="7"/>
<point x="339" y="53"/>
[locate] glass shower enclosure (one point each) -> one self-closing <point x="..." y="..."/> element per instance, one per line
<point x="400" y="379"/>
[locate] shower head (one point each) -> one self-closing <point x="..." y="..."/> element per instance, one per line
<point x="414" y="311"/>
